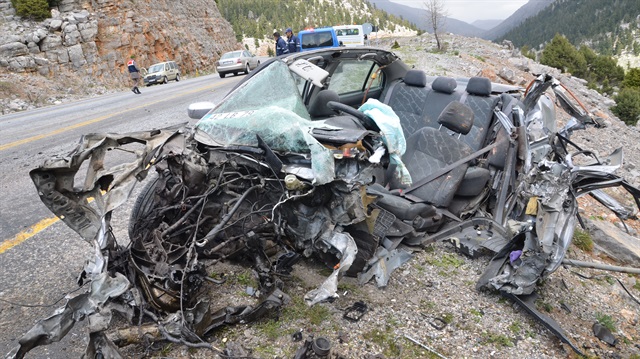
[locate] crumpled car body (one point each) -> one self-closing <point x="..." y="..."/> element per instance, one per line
<point x="272" y="175"/>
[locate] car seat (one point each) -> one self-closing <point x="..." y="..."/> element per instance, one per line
<point x="430" y="150"/>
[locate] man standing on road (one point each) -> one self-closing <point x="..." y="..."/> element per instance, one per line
<point x="134" y="73"/>
<point x="293" y="43"/>
<point x="281" y="45"/>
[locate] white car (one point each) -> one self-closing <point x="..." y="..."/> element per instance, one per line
<point x="236" y="62"/>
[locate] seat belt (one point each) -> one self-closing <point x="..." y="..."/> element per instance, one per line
<point x="448" y="168"/>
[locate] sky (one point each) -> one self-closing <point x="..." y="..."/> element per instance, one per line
<point x="472" y="10"/>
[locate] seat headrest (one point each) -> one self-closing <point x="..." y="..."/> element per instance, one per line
<point x="444" y="84"/>
<point x="457" y="117"/>
<point x="318" y="106"/>
<point x="415" y="78"/>
<point x="480" y="86"/>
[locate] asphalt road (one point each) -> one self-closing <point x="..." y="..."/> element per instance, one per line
<point x="39" y="256"/>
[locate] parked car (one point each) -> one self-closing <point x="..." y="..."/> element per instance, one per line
<point x="235" y="62"/>
<point x="161" y="73"/>
<point x="286" y="167"/>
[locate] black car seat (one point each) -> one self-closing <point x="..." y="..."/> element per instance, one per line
<point x="407" y="99"/>
<point x="318" y="108"/>
<point x="430" y="150"/>
<point x="443" y="92"/>
<point x="480" y="100"/>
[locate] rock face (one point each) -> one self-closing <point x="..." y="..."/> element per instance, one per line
<point x="94" y="39"/>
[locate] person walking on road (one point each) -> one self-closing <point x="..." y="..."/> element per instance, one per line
<point x="134" y="73"/>
<point x="293" y="42"/>
<point x="281" y="45"/>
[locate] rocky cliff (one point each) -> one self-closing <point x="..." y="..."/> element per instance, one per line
<point x="89" y="42"/>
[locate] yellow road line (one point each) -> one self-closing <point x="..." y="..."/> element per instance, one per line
<point x="24" y="235"/>
<point x="102" y="118"/>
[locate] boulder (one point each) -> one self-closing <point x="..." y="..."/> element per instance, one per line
<point x="13" y="49"/>
<point x="50" y="42"/>
<point x="55" y="25"/>
<point x="76" y="56"/>
<point x="617" y="244"/>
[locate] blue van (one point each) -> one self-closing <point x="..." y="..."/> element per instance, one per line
<point x="320" y="38"/>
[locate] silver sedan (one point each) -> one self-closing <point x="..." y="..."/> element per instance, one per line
<point x="237" y="61"/>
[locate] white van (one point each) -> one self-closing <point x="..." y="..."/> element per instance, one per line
<point x="350" y="35"/>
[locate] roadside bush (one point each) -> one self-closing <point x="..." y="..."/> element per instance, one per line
<point x="564" y="56"/>
<point x="528" y="52"/>
<point x="33" y="9"/>
<point x="627" y="106"/>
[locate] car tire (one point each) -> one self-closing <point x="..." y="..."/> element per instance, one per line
<point x="177" y="77"/>
<point x="222" y="74"/>
<point x="165" y="80"/>
<point x="142" y="206"/>
<point x="247" y="69"/>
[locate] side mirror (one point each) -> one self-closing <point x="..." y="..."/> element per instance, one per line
<point x="197" y="110"/>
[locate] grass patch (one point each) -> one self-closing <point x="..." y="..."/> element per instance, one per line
<point x="499" y="339"/>
<point x="299" y="310"/>
<point x="447" y="318"/>
<point x="265" y="351"/>
<point x="637" y="285"/>
<point x="480" y="58"/>
<point x="582" y="239"/>
<point x="270" y="328"/>
<point x="476" y="312"/>
<point x="446" y="261"/>
<point x="245" y="279"/>
<point x="515" y="327"/>
<point x="542" y="305"/>
<point x="385" y="340"/>
<point x="606" y="321"/>
<point x="427" y="304"/>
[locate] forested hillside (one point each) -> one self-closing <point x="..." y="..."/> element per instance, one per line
<point x="610" y="27"/>
<point x="259" y="18"/>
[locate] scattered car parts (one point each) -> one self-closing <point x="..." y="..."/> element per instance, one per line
<point x="274" y="175"/>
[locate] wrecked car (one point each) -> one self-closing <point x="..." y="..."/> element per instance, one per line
<point x="353" y="159"/>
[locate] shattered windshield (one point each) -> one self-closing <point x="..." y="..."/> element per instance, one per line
<point x="277" y="113"/>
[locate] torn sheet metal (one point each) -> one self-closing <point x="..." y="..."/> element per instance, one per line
<point x="348" y="249"/>
<point x="383" y="264"/>
<point x="77" y="308"/>
<point x="527" y="302"/>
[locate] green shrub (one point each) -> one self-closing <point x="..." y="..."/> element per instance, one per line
<point x="559" y="53"/>
<point x="627" y="106"/>
<point x="33" y="9"/>
<point x="395" y="45"/>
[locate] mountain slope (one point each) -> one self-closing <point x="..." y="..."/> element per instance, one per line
<point x="528" y="10"/>
<point x="609" y="27"/>
<point x="419" y="18"/>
